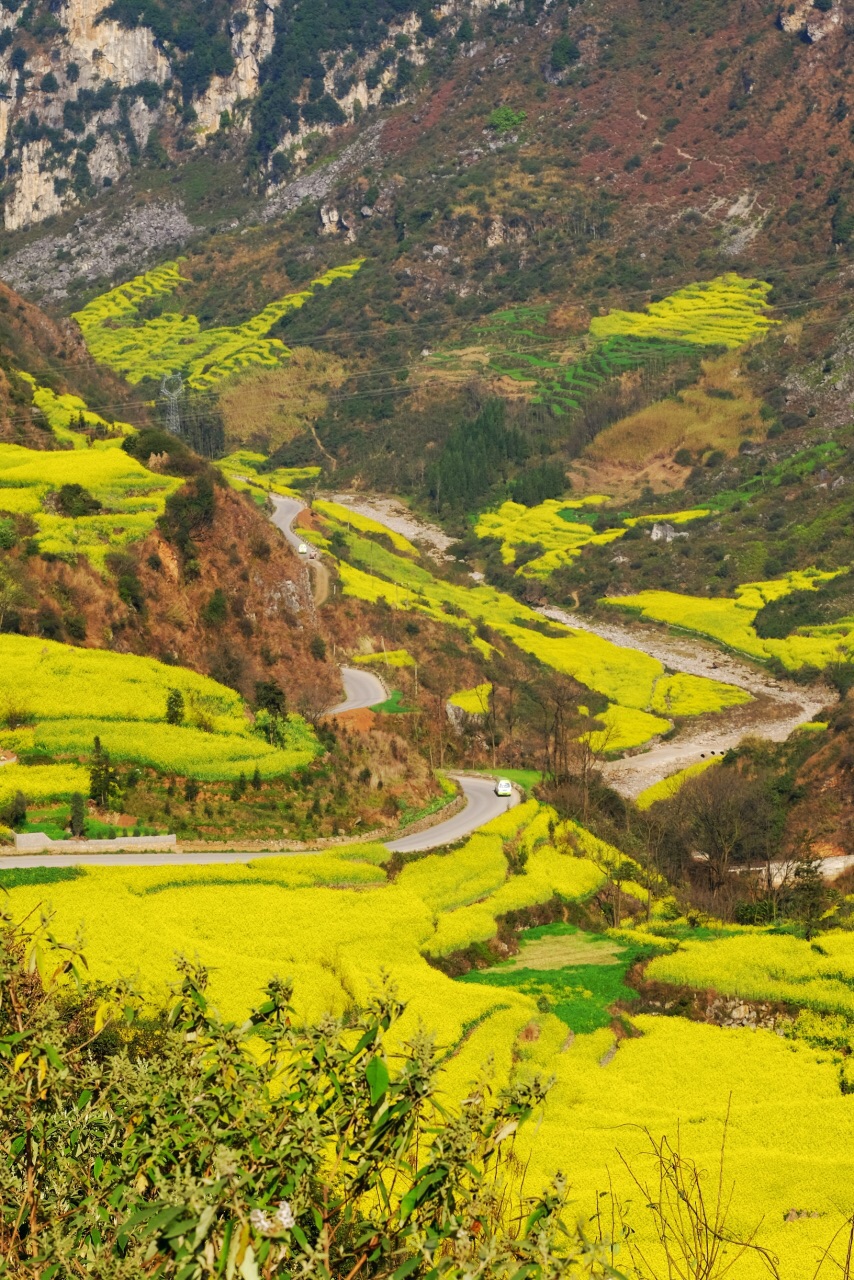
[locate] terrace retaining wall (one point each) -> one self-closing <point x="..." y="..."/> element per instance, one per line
<point x="37" y="842"/>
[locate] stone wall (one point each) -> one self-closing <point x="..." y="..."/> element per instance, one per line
<point x="37" y="842"/>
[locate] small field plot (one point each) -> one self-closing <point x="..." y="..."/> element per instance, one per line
<point x="86" y="501"/>
<point x="719" y="413"/>
<point x="562" y="528"/>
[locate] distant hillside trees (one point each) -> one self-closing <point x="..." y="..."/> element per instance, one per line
<point x="538" y="483"/>
<point x="475" y="457"/>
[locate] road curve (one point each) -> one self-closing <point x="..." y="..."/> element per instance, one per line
<point x="363" y="689"/>
<point x="777" y="706"/>
<point x="285" y="511"/>
<point x="482" y="804"/>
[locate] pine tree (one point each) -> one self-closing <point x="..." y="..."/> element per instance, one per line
<point x="174" y="707"/>
<point x="104" y="785"/>
<point x="18" y="810"/>
<point x="77" y="820"/>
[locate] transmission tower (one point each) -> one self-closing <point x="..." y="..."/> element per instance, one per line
<point x="171" y="390"/>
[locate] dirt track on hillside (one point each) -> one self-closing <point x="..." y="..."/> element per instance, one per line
<point x="776" y="708"/>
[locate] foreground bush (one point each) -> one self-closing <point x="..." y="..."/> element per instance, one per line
<point x="187" y="1146"/>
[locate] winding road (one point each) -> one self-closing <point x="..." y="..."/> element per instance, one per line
<point x="776" y="709"/>
<point x="363" y="689"/>
<point x="482" y="805"/>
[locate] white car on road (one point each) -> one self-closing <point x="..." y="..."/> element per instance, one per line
<point x="504" y="787"/>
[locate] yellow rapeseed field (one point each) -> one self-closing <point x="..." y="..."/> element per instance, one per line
<point x="730" y="621"/>
<point x="553" y="524"/>
<point x="132" y="497"/>
<point x="475" y="702"/>
<point x="634" y="682"/>
<point x="69" y="695"/>
<point x="668" y="787"/>
<point x="332" y="923"/>
<point x="171" y="342"/>
<point x="727" y="311"/>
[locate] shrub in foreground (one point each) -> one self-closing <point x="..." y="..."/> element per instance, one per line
<point x="193" y="1147"/>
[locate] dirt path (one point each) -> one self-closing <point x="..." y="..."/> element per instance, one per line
<point x="778" y="706"/>
<point x="394" y="515"/>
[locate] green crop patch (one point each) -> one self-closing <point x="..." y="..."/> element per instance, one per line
<point x="520" y="345"/>
<point x="170" y="343"/>
<point x="574" y="975"/>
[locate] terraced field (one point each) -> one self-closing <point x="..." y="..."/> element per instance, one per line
<point x="563" y="527"/>
<point x="730" y="621"/>
<point x="640" y="690"/>
<point x="123" y="498"/>
<point x="333" y="923"/>
<point x="518" y="344"/>
<point x="171" y="343"/>
<point x="64" y="697"/>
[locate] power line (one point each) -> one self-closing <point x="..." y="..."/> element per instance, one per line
<point x="349" y="335"/>
<point x="540" y="346"/>
<point x="213" y="394"/>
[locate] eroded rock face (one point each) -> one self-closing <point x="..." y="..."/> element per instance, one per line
<point x="803" y="18"/>
<point x="104" y="50"/>
<point x="252" y="32"/>
<point x="88" y="57"/>
<point x="92" y="93"/>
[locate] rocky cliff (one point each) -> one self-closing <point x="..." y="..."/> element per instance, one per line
<point x="89" y="91"/>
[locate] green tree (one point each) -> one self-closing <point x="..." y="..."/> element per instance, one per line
<point x="270" y="696"/>
<point x="810" y="898"/>
<point x="77" y="819"/>
<point x="505" y="119"/>
<point x="175" y="707"/>
<point x="256" y="779"/>
<point x="564" y="52"/>
<point x="104" y="784"/>
<point x="11" y="591"/>
<point x="215" y="612"/>
<point x="16" y="811"/>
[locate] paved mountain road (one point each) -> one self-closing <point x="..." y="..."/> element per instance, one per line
<point x="482" y="804"/>
<point x="363" y="689"/>
<point x="777" y="706"/>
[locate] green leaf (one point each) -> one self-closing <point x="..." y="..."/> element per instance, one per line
<point x="407" y="1268"/>
<point x="376" y="1074"/>
<point x="418" y="1193"/>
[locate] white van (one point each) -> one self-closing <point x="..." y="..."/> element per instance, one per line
<point x="504" y="787"/>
